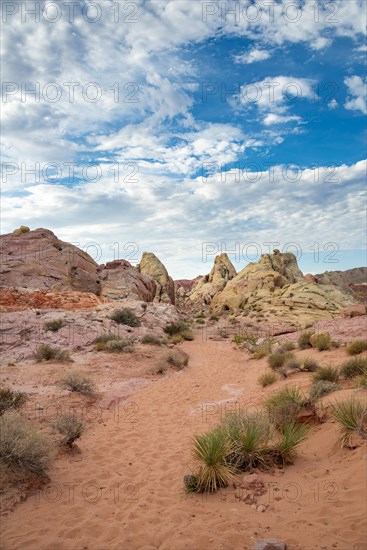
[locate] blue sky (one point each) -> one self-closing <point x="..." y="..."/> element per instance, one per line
<point x="188" y="128"/>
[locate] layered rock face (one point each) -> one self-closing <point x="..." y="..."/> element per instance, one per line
<point x="39" y="260"/>
<point x="151" y="266"/>
<point x="119" y="280"/>
<point x="353" y="281"/>
<point x="276" y="285"/>
<point x="208" y="286"/>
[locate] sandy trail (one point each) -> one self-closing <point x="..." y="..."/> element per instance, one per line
<point x="125" y="491"/>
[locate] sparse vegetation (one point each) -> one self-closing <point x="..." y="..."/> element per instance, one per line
<point x="288" y="346"/>
<point x="249" y="434"/>
<point x="211" y="450"/>
<point x="214" y="318"/>
<point x="262" y="350"/>
<point x="356" y="347"/>
<point x="100" y="343"/>
<point x="70" y="426"/>
<point x="53" y="325"/>
<point x="310" y="365"/>
<point x="304" y="340"/>
<point x="200" y="321"/>
<point x="152" y="339"/>
<point x="267" y="379"/>
<point x="279" y="358"/>
<point x="293" y="364"/>
<point x="352" y="417"/>
<point x="284" y="405"/>
<point x="172" y="359"/>
<point x="77" y="381"/>
<point x="328" y="373"/>
<point x="321" y="341"/>
<point x="361" y="382"/>
<point x="11" y="400"/>
<point x="179" y="329"/>
<point x="46" y="352"/>
<point x="285" y="450"/>
<point x="120" y="345"/>
<point x="125" y="317"/>
<point x="354" y="367"/>
<point x="21" y="445"/>
<point x="321" y="388"/>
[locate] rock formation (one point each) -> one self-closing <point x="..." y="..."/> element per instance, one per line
<point x="165" y="288"/>
<point x="353" y="281"/>
<point x="276" y="285"/>
<point x="208" y="286"/>
<point x="119" y="280"/>
<point x="39" y="260"/>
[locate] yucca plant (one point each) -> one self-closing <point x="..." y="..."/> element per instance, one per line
<point x="285" y="405"/>
<point x="211" y="450"/>
<point x="352" y="417"/>
<point x="329" y="373"/>
<point x="354" y="367"/>
<point x="249" y="433"/>
<point x="285" y="451"/>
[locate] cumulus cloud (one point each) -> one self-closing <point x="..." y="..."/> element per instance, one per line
<point x="357" y="90"/>
<point x="252" y="56"/>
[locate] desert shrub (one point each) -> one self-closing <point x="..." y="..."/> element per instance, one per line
<point x="310" y="365"/>
<point x="177" y="360"/>
<point x="214" y="318"/>
<point x="223" y="333"/>
<point x="352" y="417"/>
<point x="356" y="347"/>
<point x="288" y="346"/>
<point x="125" y="317"/>
<point x="354" y="367"/>
<point x="361" y="382"/>
<point x="321" y="341"/>
<point x="176" y="339"/>
<point x="120" y="345"/>
<point x="152" y="339"/>
<point x="70" y="426"/>
<point x="144" y="306"/>
<point x="187" y="335"/>
<point x="44" y="352"/>
<point x="210" y="450"/>
<point x="293" y="364"/>
<point x="267" y="379"/>
<point x="304" y="340"/>
<point x="101" y="341"/>
<point x="321" y="388"/>
<point x="279" y="358"/>
<point x="249" y="433"/>
<point x="262" y="350"/>
<point x="284" y="405"/>
<point x="175" y="328"/>
<point x="79" y="382"/>
<point x="200" y="321"/>
<point x="329" y="373"/>
<point x="285" y="450"/>
<point x="23" y="446"/>
<point x="11" y="400"/>
<point x="54" y="325"/>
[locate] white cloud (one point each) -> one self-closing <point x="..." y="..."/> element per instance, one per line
<point x="174" y="217"/>
<point x="277" y="119"/>
<point x="333" y="104"/>
<point x="252" y="56"/>
<point x="357" y="88"/>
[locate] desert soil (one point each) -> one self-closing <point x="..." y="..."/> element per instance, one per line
<point x="124" y="489"/>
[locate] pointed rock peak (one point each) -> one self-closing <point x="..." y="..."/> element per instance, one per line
<point x="152" y="266"/>
<point x="222" y="269"/>
<point x="284" y="263"/>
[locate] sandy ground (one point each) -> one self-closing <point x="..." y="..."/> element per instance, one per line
<point x="124" y="489"/>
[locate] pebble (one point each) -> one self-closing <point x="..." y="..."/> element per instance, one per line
<point x="261" y="508"/>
